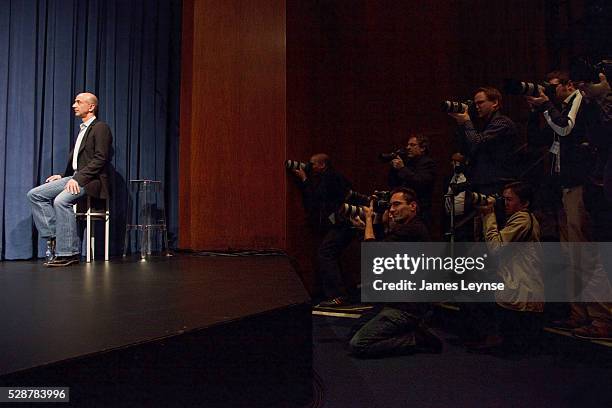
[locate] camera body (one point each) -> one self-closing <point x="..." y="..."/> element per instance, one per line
<point x="382" y="201"/>
<point x="387" y="157"/>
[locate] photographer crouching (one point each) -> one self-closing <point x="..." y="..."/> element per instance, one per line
<point x="521" y="303"/>
<point x="400" y="327"/>
<point x="323" y="190"/>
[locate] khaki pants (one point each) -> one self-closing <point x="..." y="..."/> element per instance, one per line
<point x="587" y="278"/>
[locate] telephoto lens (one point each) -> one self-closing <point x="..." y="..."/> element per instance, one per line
<point x="353" y="197"/>
<point x="350" y="211"/>
<point x="295" y="165"/>
<point x="515" y="87"/>
<point x="455" y="107"/>
<point x="475" y="199"/>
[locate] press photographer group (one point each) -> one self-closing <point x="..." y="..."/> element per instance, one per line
<point x="493" y="193"/>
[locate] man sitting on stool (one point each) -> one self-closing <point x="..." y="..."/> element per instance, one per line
<point x="86" y="173"/>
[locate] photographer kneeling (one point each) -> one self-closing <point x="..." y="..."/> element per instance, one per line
<point x="522" y="301"/>
<point x="398" y="328"/>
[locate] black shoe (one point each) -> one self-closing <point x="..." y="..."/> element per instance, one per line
<point x="60" y="261"/>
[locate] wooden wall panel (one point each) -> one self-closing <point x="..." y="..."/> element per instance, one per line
<point x="232" y="192"/>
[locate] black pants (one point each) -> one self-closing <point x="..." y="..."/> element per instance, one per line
<point x="335" y="241"/>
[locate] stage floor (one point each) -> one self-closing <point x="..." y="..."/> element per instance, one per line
<point x="53" y="314"/>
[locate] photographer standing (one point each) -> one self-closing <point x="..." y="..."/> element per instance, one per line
<point x="487" y="144"/>
<point x="416" y="171"/>
<point x="572" y="161"/>
<point x="323" y="190"/>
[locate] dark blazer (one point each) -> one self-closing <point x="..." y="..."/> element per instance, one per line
<point x="418" y="174"/>
<point x="92" y="160"/>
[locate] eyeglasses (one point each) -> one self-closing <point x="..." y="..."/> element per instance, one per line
<point x="556" y="85"/>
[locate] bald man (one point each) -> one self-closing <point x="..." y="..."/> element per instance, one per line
<point x="324" y="189"/>
<point x="86" y="174"/>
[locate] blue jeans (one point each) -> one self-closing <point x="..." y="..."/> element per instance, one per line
<point x="391" y="331"/>
<point x="54" y="216"/>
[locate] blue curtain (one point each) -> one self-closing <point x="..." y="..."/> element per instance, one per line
<point x="125" y="52"/>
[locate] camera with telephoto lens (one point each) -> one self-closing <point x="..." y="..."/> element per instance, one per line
<point x="516" y="87"/>
<point x="296" y="165"/>
<point x="387" y="157"/>
<point x="480" y="200"/>
<point x="350" y="210"/>
<point x="456" y="107"/>
<point x="474" y="199"/>
<point x="380" y="200"/>
<point x="582" y="69"/>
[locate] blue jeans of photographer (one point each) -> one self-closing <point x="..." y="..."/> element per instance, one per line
<point x="391" y="331"/>
<point x="54" y="216"/>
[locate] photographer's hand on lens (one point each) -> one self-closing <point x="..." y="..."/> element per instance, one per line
<point x="461" y="118"/>
<point x="537" y="101"/>
<point x="300" y="173"/>
<point x="489" y="208"/>
<point x="397" y="163"/>
<point x="368" y="212"/>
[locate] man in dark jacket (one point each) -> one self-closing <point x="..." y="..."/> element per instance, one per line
<point x="324" y="190"/>
<point x="416" y="171"/>
<point x="86" y="173"/>
<point x="487" y="143"/>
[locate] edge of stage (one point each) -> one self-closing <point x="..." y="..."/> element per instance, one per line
<point x="220" y="329"/>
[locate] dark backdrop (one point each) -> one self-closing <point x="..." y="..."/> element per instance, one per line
<point x="361" y="74"/>
<point x="128" y="54"/>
